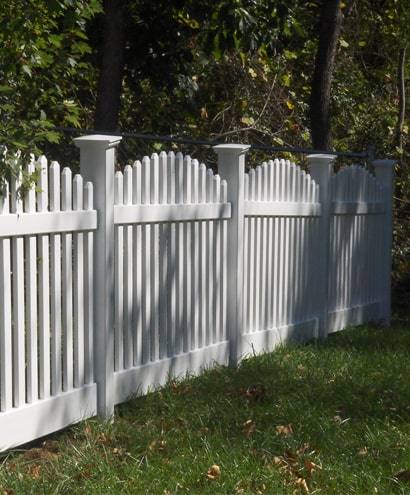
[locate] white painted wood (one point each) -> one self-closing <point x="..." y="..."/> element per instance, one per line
<point x="49" y="222"/>
<point x="154" y="269"/>
<point x="88" y="291"/>
<point x="231" y="167"/>
<point x="19" y="349"/>
<point x="43" y="286"/>
<point x="194" y="249"/>
<point x="67" y="285"/>
<point x="31" y="301"/>
<point x="137" y="271"/>
<point x="6" y="354"/>
<point x="321" y="170"/>
<point x="127" y="279"/>
<point x="210" y="333"/>
<point x="119" y="277"/>
<point x="164" y="232"/>
<point x="55" y="286"/>
<point x="137" y="282"/>
<point x="78" y="298"/>
<point x="202" y="269"/>
<point x="28" y="422"/>
<point x="97" y="166"/>
<point x="179" y="258"/>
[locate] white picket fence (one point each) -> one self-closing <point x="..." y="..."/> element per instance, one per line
<point x="112" y="282"/>
<point x="46" y="320"/>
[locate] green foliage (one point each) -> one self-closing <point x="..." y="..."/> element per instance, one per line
<point x="227" y="70"/>
<point x="42" y="69"/>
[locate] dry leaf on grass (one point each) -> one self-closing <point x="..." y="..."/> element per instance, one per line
<point x="214" y="472"/>
<point x="311" y="467"/>
<point x="301" y="483"/>
<point x="248" y="427"/>
<point x="403" y="475"/>
<point x="285" y="430"/>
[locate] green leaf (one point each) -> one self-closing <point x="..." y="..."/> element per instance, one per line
<point x="26" y="69"/>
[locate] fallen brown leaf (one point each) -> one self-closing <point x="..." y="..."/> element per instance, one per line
<point x="311" y="467"/>
<point x="285" y="430"/>
<point x="403" y="475"/>
<point x="301" y="482"/>
<point x="214" y="472"/>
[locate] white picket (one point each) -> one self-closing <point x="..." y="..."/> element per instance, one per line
<point x="43" y="286"/>
<point x="88" y="291"/>
<point x="137" y="271"/>
<point x="119" y="277"/>
<point x="6" y="354"/>
<point x="154" y="268"/>
<point x="163" y="260"/>
<point x="67" y="285"/>
<point x="127" y="279"/>
<point x="78" y="288"/>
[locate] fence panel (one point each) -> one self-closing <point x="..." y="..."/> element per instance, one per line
<point x="43" y="283"/>
<point x="170" y="264"/>
<point x="282" y="212"/>
<point x="358" y="215"/>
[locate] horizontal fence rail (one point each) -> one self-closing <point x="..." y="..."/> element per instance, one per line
<point x="111" y="282"/>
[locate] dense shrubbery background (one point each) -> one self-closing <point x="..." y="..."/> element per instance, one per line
<point x="238" y="70"/>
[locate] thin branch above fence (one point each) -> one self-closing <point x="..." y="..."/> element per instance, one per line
<point x="368" y="154"/>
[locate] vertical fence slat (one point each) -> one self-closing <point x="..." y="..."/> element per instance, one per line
<point x="217" y="263"/>
<point x="119" y="277"/>
<point x="43" y="286"/>
<point x="127" y="279"/>
<point x="6" y="354"/>
<point x="137" y="271"/>
<point x="67" y="279"/>
<point x="163" y="259"/>
<point x="210" y="333"/>
<point x="224" y="255"/>
<point x="155" y="256"/>
<point x="194" y="241"/>
<point x="171" y="262"/>
<point x="202" y="261"/>
<point x="88" y="291"/>
<point x="146" y="265"/>
<point x="78" y="326"/>
<point x="31" y="301"/>
<point x="55" y="286"/>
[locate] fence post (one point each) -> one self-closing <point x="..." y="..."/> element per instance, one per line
<point x="321" y="167"/>
<point x="231" y="167"/>
<point x="384" y="171"/>
<point x="97" y="157"/>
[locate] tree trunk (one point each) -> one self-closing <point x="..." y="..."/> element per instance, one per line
<point x="320" y="112"/>
<point x="112" y="66"/>
<point x="402" y="99"/>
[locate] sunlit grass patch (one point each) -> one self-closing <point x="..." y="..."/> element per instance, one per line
<point x="328" y="417"/>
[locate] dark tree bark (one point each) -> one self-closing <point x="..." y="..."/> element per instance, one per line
<point x="320" y="111"/>
<point x="401" y="82"/>
<point x="112" y="66"/>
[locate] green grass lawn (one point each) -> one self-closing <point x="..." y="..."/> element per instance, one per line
<point x="327" y="417"/>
